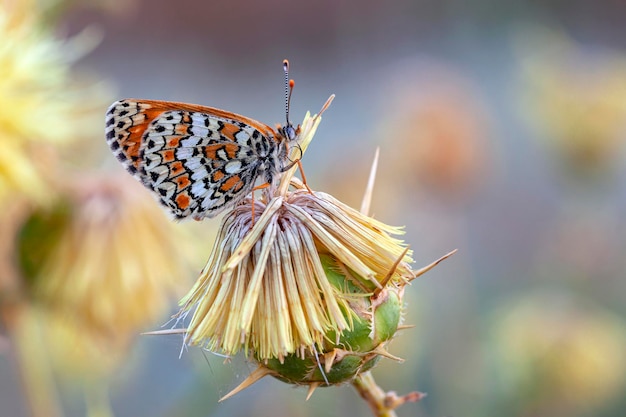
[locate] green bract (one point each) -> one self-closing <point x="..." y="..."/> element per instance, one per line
<point x="374" y="321"/>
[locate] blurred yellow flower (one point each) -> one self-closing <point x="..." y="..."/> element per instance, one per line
<point x="575" y="97"/>
<point x="110" y="257"/>
<point x="555" y="356"/>
<point x="77" y="351"/>
<point x="85" y="263"/>
<point x="42" y="104"/>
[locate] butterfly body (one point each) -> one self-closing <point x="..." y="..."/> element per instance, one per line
<point x="197" y="160"/>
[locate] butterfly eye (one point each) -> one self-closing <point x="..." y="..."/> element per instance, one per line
<point x="289" y="132"/>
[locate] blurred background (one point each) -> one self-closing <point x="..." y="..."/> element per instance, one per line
<point x="501" y="130"/>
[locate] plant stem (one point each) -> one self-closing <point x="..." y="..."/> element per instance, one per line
<point x="381" y="403"/>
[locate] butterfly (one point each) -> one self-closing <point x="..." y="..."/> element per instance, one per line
<point x="198" y="160"/>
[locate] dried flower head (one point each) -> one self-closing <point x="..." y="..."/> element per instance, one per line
<point x="310" y="288"/>
<point x="265" y="286"/>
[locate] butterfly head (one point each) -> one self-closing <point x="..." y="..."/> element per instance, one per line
<point x="289" y="132"/>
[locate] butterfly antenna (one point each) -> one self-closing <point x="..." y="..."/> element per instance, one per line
<point x="289" y="84"/>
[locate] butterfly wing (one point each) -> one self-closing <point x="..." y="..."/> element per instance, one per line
<point x="198" y="160"/>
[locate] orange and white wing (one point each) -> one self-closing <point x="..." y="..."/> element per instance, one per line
<point x="198" y="160"/>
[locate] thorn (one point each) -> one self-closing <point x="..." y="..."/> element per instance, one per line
<point x="385" y="280"/>
<point x="432" y="265"/>
<point x="312" y="389"/>
<point x="256" y="375"/>
<point x="166" y="332"/>
<point x="369" y="189"/>
<point x="325" y="106"/>
<point x="382" y="352"/>
<point x="329" y="359"/>
<point x="406" y="326"/>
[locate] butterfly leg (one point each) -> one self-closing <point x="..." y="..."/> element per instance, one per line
<point x="303" y="176"/>
<point x="258" y="187"/>
<point x="299" y="163"/>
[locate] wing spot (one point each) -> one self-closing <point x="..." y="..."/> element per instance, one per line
<point x="168" y="155"/>
<point x="183" y="182"/>
<point x="217" y="175"/>
<point x="181" y="129"/>
<point x="173" y="142"/>
<point x="182" y="201"/>
<point x="233" y="184"/>
<point x="176" y="168"/>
